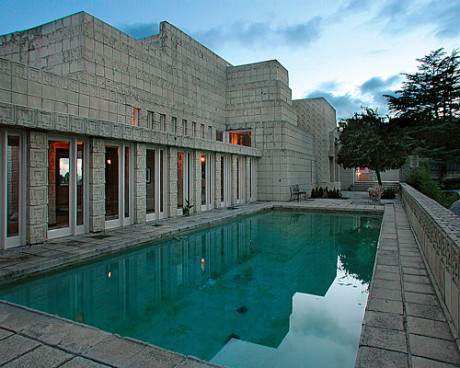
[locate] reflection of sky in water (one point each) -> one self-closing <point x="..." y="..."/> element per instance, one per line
<point x="276" y="289"/>
<point x="323" y="331"/>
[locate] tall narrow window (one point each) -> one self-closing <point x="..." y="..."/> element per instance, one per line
<point x="150" y="119"/>
<point x="202" y="128"/>
<point x="162" y="180"/>
<point x="180" y="179"/>
<point x="219" y="136"/>
<point x="209" y="132"/>
<point x="12" y="175"/>
<point x="162" y="122"/>
<point x="237" y="178"/>
<point x="174" y="125"/>
<point x="222" y="179"/>
<point x="58" y="185"/>
<point x="136" y="116"/>
<point x="203" y="179"/>
<point x="127" y="168"/>
<point x="111" y="183"/>
<point x="184" y="127"/>
<point x="193" y="129"/>
<point x="250" y="178"/>
<point x="80" y="183"/>
<point x="150" y="181"/>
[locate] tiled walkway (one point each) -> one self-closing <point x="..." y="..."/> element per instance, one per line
<point x="404" y="325"/>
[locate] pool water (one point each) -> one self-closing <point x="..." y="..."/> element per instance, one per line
<point x="278" y="289"/>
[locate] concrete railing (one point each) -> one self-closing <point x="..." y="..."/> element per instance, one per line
<point x="438" y="233"/>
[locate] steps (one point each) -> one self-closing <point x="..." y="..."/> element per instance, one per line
<point x="363" y="186"/>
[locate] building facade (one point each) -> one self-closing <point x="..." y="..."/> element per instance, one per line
<point x="99" y="130"/>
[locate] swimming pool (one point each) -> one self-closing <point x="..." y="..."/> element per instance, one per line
<point x="275" y="289"/>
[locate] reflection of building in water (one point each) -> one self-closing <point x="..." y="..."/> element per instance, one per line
<point x="195" y="292"/>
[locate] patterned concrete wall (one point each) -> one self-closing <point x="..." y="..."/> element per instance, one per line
<point x="438" y="235"/>
<point x="97" y="186"/>
<point x="318" y="118"/>
<point x="37" y="187"/>
<point x="79" y="76"/>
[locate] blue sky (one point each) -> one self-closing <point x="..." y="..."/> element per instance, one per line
<point x="351" y="52"/>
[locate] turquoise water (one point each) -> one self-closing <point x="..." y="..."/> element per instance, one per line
<point x="278" y="289"/>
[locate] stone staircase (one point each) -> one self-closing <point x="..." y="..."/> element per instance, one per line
<point x="363" y="186"/>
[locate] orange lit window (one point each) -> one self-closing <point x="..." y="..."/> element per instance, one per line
<point x="241" y="138"/>
<point x="136" y="116"/>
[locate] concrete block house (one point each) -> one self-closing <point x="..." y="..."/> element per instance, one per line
<point x="99" y="130"/>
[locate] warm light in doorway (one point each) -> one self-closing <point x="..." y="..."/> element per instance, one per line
<point x="203" y="158"/>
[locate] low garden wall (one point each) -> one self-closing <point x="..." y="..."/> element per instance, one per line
<point x="438" y="233"/>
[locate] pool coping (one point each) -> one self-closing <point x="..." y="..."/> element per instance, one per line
<point x="387" y="338"/>
<point x="72" y="250"/>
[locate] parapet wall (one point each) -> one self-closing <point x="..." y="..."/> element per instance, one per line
<point x="438" y="234"/>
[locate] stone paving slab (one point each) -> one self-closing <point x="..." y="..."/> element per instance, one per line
<point x="411" y="331"/>
<point x="404" y="323"/>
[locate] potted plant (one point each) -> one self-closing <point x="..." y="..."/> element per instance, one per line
<point x="186" y="208"/>
<point x="375" y="193"/>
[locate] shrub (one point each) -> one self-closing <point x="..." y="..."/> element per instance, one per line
<point x="325" y="193"/>
<point x="423" y="182"/>
<point x="389" y="193"/>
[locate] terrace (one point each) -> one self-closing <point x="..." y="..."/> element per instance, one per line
<point x="407" y="321"/>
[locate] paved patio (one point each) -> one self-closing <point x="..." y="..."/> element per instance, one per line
<point x="404" y="325"/>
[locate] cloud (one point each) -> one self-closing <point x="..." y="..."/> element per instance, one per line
<point x="368" y="94"/>
<point x="376" y="84"/>
<point x="439" y="17"/>
<point x="263" y="34"/>
<point x="140" y="30"/>
<point x="345" y="105"/>
<point x="302" y="34"/>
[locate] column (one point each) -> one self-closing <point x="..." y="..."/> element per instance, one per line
<point x="140" y="156"/>
<point x="171" y="185"/>
<point x="97" y="185"/>
<point x="37" y="188"/>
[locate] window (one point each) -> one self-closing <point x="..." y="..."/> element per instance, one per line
<point x="193" y="129"/>
<point x="219" y="136"/>
<point x="150" y="119"/>
<point x="242" y="138"/>
<point x="184" y="127"/>
<point x="136" y="116"/>
<point x="209" y="132"/>
<point x="202" y="127"/>
<point x="174" y="125"/>
<point x="162" y="122"/>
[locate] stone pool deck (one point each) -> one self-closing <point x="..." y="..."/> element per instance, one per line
<point x="404" y="325"/>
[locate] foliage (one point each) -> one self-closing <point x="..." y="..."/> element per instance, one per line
<point x="423" y="182"/>
<point x="388" y="193"/>
<point x="428" y="106"/>
<point x="367" y="140"/>
<point x="325" y="193"/>
<point x="186" y="209"/>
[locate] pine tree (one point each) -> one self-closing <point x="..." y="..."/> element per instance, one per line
<point x="428" y="106"/>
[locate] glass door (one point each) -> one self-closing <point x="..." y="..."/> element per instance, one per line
<point x="66" y="187"/>
<point x="155" y="183"/>
<point x="118" y="182"/>
<point x="184" y="181"/>
<point x="11" y="190"/>
<point x="225" y="191"/>
<point x="240" y="179"/>
<point x="207" y="175"/>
